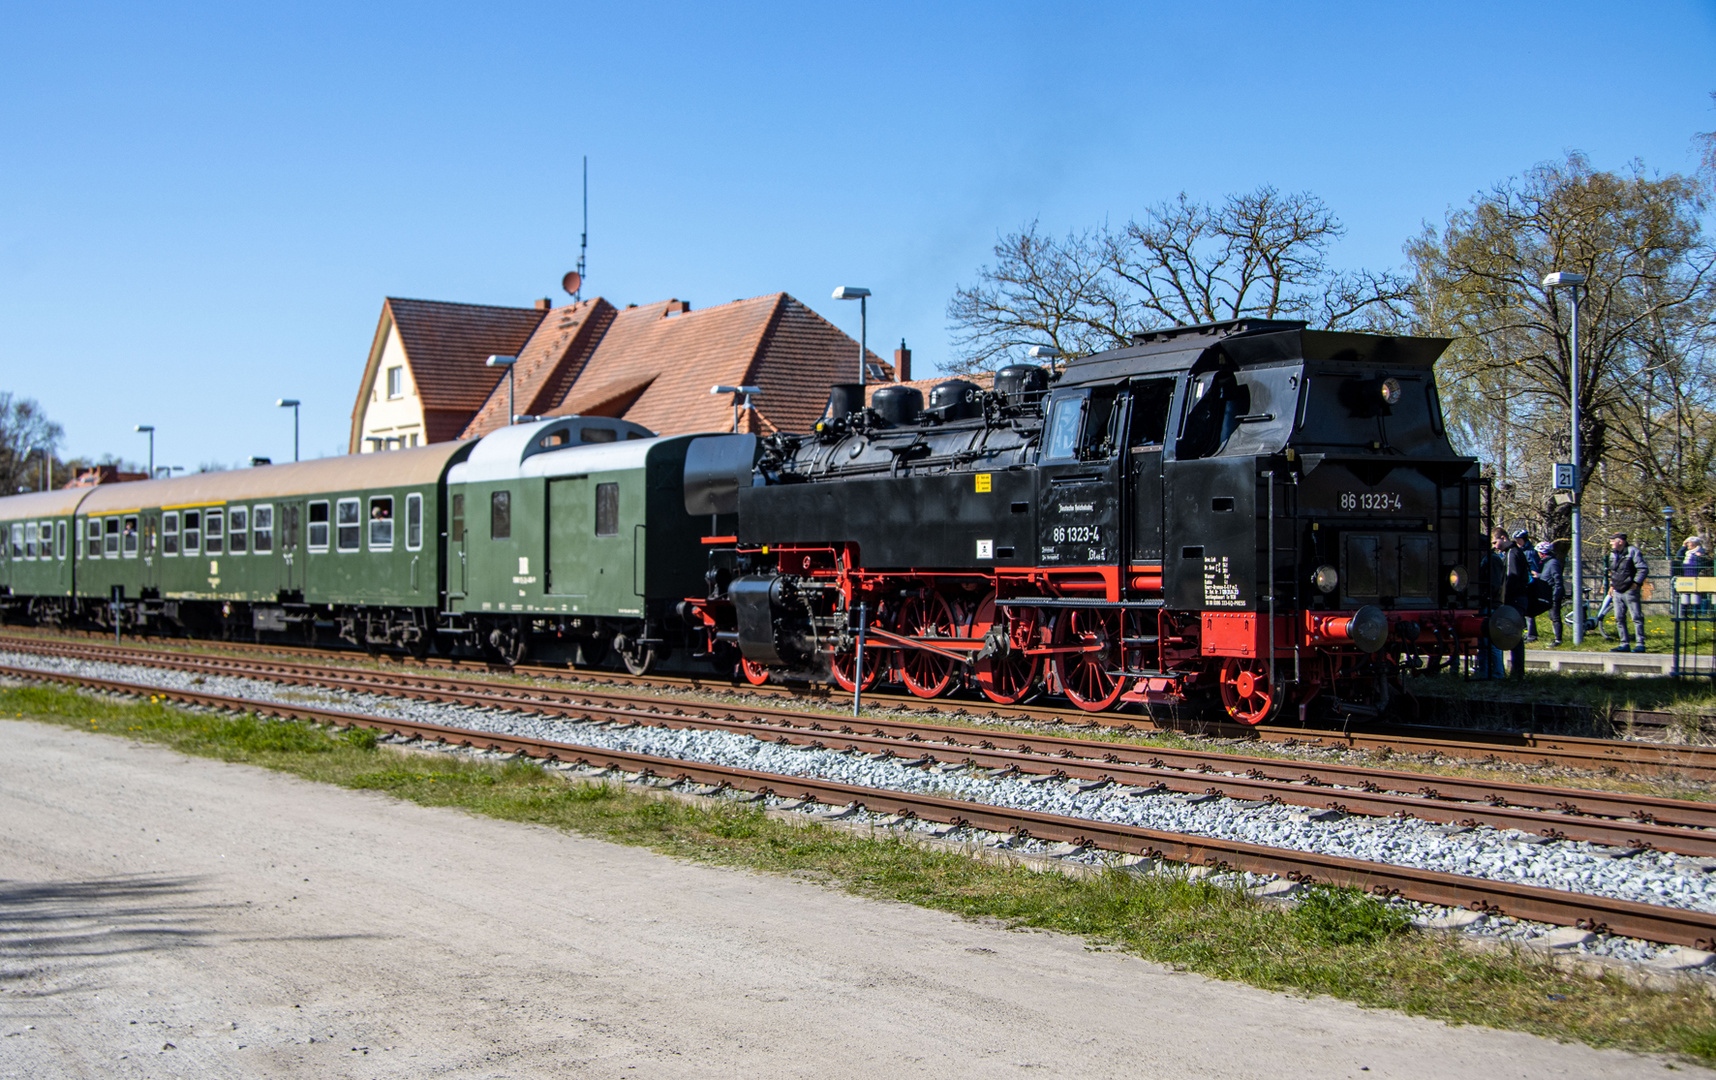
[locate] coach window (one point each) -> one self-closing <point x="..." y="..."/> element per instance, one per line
<point x="238" y="525"/>
<point x="47" y="539"/>
<point x="381" y="523"/>
<point x="92" y="534"/>
<point x="29" y="539"/>
<point x="413" y="522"/>
<point x="607" y="509"/>
<point x="318" y="538"/>
<point x="262" y="529"/>
<point x="500" y="515"/>
<point x="59" y="539"/>
<point x="110" y="537"/>
<point x="214" y="531"/>
<point x="456" y="529"/>
<point x="170" y="533"/>
<point x="193" y="533"/>
<point x="598" y="434"/>
<point x="128" y="535"/>
<point x="348" y="514"/>
<point x="17" y="541"/>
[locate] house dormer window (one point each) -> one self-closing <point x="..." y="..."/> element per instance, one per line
<point x="395" y="382"/>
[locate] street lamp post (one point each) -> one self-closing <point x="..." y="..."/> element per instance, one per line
<point x="506" y="362"/>
<point x="291" y="403"/>
<point x="150" y="428"/>
<point x="862" y="295"/>
<point x="47" y="453"/>
<point x="1566" y="279"/>
<point x="747" y="392"/>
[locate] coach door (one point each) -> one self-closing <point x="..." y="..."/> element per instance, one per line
<point x="289" y="568"/>
<point x="151" y="553"/>
<point x="1148" y="425"/>
<point x="457" y="570"/>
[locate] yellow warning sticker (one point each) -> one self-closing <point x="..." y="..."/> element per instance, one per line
<point x="982" y="483"/>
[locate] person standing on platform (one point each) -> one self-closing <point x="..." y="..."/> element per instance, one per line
<point x="1626" y="571"/>
<point x="1695" y="563"/>
<point x="1549" y="572"/>
<point x="1533" y="563"/>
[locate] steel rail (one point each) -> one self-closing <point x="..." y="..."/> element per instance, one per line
<point x="1616" y="820"/>
<point x="1651" y="922"/>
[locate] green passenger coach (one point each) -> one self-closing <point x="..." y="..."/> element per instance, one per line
<point x="350" y="543"/>
<point x="572" y="531"/>
<point x="35" y="554"/>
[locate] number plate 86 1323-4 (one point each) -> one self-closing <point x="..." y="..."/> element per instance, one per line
<point x="1370" y="500"/>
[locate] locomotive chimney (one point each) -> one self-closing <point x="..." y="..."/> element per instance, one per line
<point x="902" y="363"/>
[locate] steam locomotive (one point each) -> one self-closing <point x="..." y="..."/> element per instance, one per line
<point x="1250" y="510"/>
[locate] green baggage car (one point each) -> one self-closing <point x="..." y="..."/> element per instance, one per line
<point x="569" y="538"/>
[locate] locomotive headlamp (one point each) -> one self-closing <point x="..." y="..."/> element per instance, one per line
<point x="1326" y="578"/>
<point x="1458" y="579"/>
<point x="1391" y="391"/>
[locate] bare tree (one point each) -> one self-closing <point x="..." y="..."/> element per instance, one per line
<point x="25" y="432"/>
<point x="1260" y="253"/>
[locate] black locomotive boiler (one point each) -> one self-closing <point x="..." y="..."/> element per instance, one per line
<point x="1248" y="509"/>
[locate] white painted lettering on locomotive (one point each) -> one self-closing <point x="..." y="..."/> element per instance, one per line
<point x="1220" y="590"/>
<point x="1370" y="500"/>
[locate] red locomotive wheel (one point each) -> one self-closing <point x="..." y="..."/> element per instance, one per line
<point x="1089" y="678"/>
<point x="1246" y="691"/>
<point x="924" y="673"/>
<point x="842" y="666"/>
<point x="755" y="674"/>
<point x="1009" y="677"/>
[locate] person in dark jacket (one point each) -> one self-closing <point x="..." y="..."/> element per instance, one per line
<point x="1533" y="564"/>
<point x="1626" y="571"/>
<point x="1549" y="572"/>
<point x="1508" y="578"/>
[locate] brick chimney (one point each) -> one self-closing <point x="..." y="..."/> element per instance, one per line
<point x="544" y="304"/>
<point x="903" y="363"/>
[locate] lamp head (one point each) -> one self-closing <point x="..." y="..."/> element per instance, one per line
<point x="286" y="403"/>
<point x="1042" y="352"/>
<point x="145" y="427"/>
<point x="1562" y="279"/>
<point x="499" y="361"/>
<point x="851" y="292"/>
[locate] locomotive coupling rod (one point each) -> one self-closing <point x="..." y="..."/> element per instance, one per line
<point x="966" y="646"/>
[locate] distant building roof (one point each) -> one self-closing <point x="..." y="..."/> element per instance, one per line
<point x="547" y="364"/>
<point x="446" y="344"/>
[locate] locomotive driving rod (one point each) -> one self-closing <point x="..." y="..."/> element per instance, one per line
<point x="951" y="648"/>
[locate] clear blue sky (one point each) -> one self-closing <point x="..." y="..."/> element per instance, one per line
<point x="202" y="207"/>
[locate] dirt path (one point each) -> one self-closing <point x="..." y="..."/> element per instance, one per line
<point x="172" y="916"/>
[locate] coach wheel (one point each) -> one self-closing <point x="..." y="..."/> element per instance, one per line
<point x="755" y="674"/>
<point x="1247" y="693"/>
<point x="925" y="674"/>
<point x="1007" y="675"/>
<point x="636" y="655"/>
<point x="504" y="644"/>
<point x="421" y="646"/>
<point x="1089" y="677"/>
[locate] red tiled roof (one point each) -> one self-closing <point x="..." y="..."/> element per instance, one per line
<point x="657" y="363"/>
<point x="547" y="364"/>
<point x="446" y="344"/>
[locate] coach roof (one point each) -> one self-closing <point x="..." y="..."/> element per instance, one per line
<point x="349" y="472"/>
<point x="41" y="504"/>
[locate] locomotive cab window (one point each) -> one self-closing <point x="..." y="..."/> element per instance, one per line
<point x="607" y="509"/>
<point x="1066" y="418"/>
<point x="1151" y="401"/>
<point x="347" y="519"/>
<point x="1215" y="402"/>
<point x="170" y="533"/>
<point x="214" y="534"/>
<point x="238" y="526"/>
<point x="381" y="523"/>
<point x="413" y="522"/>
<point x="500" y="515"/>
<point x="262" y="529"/>
<point x="318" y="538"/>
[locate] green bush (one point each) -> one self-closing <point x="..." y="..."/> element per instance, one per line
<point x="1335" y="917"/>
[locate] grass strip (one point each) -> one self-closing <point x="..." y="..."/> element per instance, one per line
<point x="1336" y="942"/>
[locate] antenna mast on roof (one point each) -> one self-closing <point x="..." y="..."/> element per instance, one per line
<point x="584" y="237"/>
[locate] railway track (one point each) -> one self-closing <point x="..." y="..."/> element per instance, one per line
<point x="1650" y="922"/>
<point x="1692" y="762"/>
<point x="1616" y="820"/>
